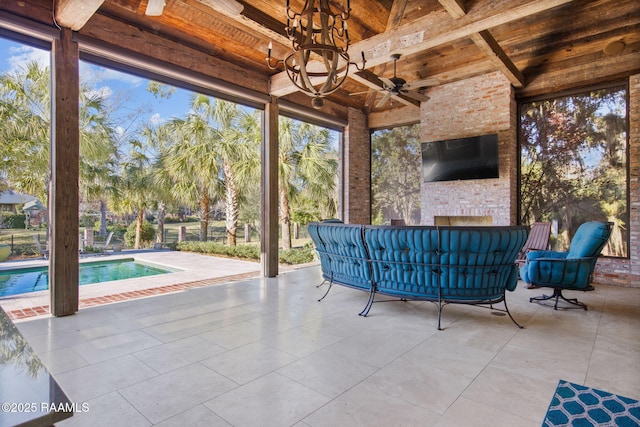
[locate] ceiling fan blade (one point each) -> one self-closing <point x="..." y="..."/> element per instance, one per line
<point x="421" y="83"/>
<point x="388" y="83"/>
<point x="415" y="95"/>
<point x="384" y="99"/>
<point x="366" y="91"/>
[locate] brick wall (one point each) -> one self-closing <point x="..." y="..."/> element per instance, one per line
<point x="356" y="170"/>
<point x="477" y="106"/>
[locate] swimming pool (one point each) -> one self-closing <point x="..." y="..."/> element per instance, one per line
<point x="24" y="280"/>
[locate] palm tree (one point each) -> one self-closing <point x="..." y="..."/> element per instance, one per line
<point x="306" y="164"/>
<point x="135" y="182"/>
<point x="24" y="134"/>
<point x="189" y="155"/>
<point x="238" y="153"/>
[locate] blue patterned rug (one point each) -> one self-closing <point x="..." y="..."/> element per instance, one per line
<point x="579" y="406"/>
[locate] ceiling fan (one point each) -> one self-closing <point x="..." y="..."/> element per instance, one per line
<point x="396" y="85"/>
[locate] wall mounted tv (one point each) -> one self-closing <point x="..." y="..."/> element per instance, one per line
<point x="456" y="159"/>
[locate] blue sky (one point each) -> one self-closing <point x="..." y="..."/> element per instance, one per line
<point x="127" y="89"/>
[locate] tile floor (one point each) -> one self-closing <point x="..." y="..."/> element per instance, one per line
<point x="264" y="352"/>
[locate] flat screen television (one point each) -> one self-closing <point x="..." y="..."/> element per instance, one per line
<point x="457" y="159"/>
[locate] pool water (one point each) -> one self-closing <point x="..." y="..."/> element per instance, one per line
<point x="24" y="280"/>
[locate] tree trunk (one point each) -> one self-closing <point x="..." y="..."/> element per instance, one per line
<point x="204" y="216"/>
<point x="162" y="211"/>
<point x="139" y="220"/>
<point x="232" y="206"/>
<point x="285" y="219"/>
<point x="103" y="218"/>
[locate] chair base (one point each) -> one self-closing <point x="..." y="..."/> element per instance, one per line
<point x="557" y="294"/>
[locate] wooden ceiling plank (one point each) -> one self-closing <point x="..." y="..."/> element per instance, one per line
<point x="378" y="48"/>
<point x="395" y="18"/>
<point x="490" y="47"/>
<point x="73" y="14"/>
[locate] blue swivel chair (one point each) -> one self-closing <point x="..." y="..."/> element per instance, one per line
<point x="570" y="270"/>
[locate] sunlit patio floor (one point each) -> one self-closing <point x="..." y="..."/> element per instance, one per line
<point x="265" y="352"/>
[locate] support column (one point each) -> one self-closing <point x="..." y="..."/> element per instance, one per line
<point x="269" y="192"/>
<point x="63" y="185"/>
<point x="356" y="170"/>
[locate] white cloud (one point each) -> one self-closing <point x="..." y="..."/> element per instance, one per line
<point x="103" y="92"/>
<point x="98" y="74"/>
<point x="21" y="55"/>
<point x="156" y="119"/>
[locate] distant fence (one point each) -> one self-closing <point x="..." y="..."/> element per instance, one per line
<point x="24" y="244"/>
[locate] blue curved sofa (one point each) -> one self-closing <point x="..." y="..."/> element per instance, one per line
<point x="464" y="265"/>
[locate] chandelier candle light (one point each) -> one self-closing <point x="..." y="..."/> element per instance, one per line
<point x="320" y="41"/>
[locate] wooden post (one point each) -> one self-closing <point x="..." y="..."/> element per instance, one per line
<point x="247" y="233"/>
<point x="63" y="190"/>
<point x="269" y="192"/>
<point x="296" y="231"/>
<point x="182" y="233"/>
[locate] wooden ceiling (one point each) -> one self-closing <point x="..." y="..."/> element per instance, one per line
<point x="541" y="46"/>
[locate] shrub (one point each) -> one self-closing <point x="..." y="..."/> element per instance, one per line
<point x="13" y="220"/>
<point x="249" y="252"/>
<point x="148" y="234"/>
<point x="297" y="255"/>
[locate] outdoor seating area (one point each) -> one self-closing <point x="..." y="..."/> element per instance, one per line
<point x="445" y="265"/>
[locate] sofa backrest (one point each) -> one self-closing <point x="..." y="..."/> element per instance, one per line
<point x="342" y="252"/>
<point x="589" y="240"/>
<point x="480" y="261"/>
<point x="403" y="258"/>
<point x="434" y="261"/>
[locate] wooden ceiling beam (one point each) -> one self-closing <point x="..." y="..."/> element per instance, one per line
<point x="410" y="38"/>
<point x="490" y="47"/>
<point x="455" y="8"/>
<point x="73" y="14"/>
<point x="487" y="44"/>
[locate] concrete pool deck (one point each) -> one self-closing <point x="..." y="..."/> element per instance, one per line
<point x="195" y="270"/>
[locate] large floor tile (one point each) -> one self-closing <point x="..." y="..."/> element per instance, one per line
<point x="327" y="373"/>
<point x="115" y="345"/>
<point x="176" y="354"/>
<point x="97" y="379"/>
<point x="107" y="411"/>
<point x="170" y="394"/>
<point x="247" y="363"/>
<point x="272" y="400"/>
<point x="465" y="412"/>
<point x="363" y="406"/>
